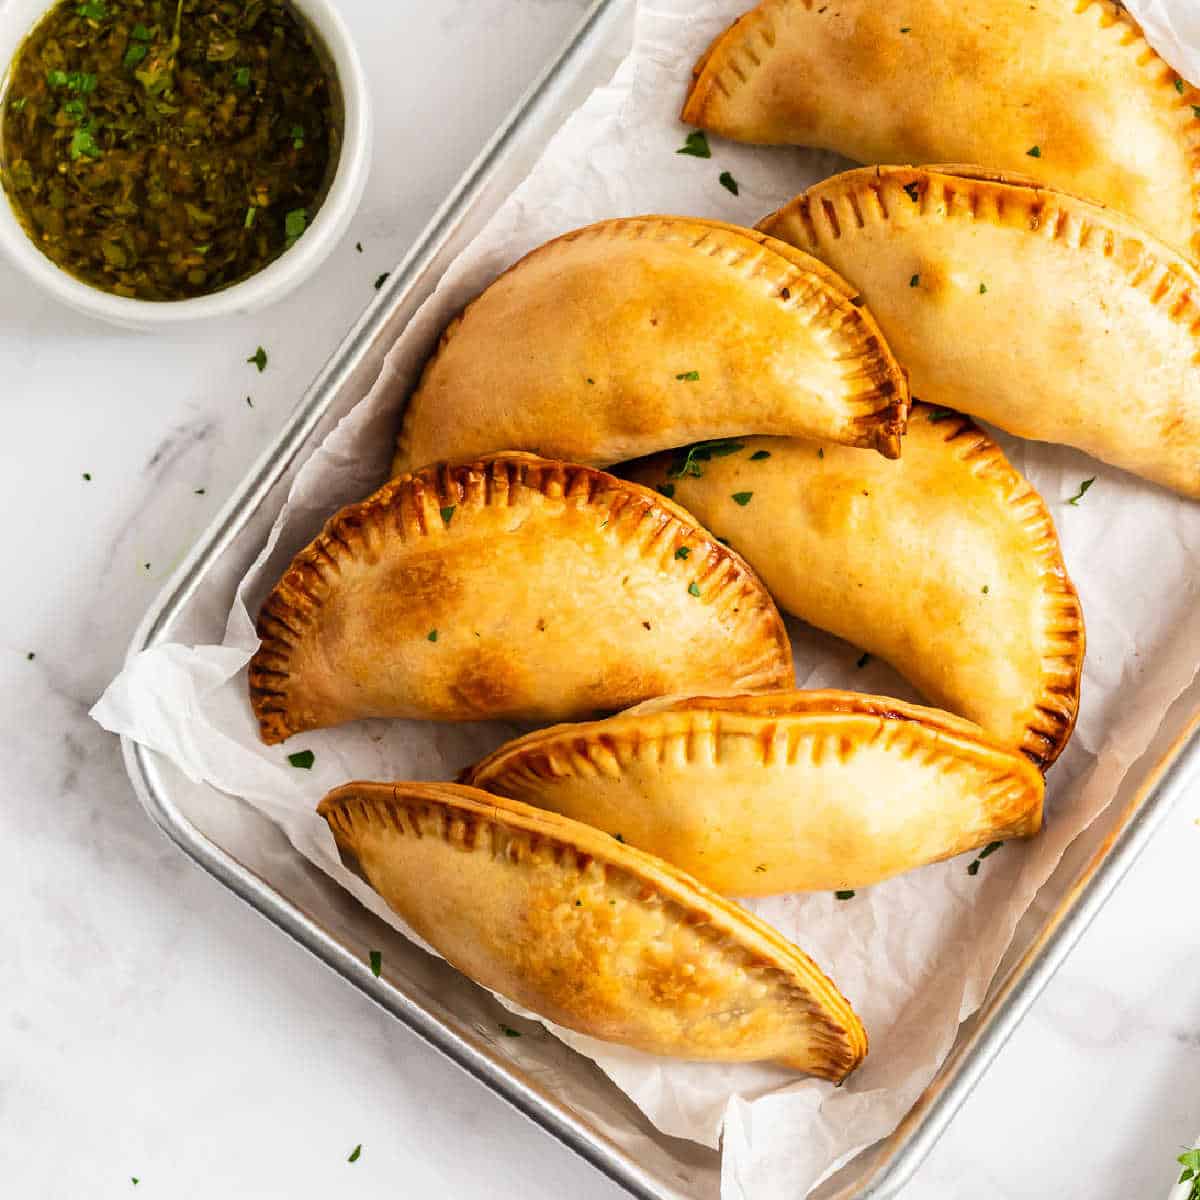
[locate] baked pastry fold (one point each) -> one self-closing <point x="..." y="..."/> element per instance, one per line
<point x="946" y="564"/>
<point x="512" y="587"/>
<point x="1068" y="91"/>
<point x="636" y="335"/>
<point x="592" y="934"/>
<point x="1049" y="316"/>
<point x="783" y="792"/>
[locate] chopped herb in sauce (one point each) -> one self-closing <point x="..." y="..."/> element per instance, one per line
<point x="914" y="281"/>
<point x="1179" y="86"/>
<point x="1034" y="152"/>
<point x="862" y="662"/>
<point x="937" y="415"/>
<point x="913" y="192"/>
<point x="983" y="289"/>
<point x="448" y="513"/>
<point x="696" y="144"/>
<point x="1083" y="489"/>
<point x="688" y="376"/>
<point x="683" y="551"/>
<point x="693" y="588"/>
<point x="728" y="182"/>
<point x="759" y="455"/>
<point x="432" y="635"/>
<point x="742" y="498"/>
<point x="164" y="149"/>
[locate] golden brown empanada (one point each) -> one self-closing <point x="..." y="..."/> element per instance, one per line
<point x="632" y="336"/>
<point x="783" y="792"/>
<point x="597" y="937"/>
<point x="1047" y="315"/>
<point x="1066" y="90"/>
<point x="946" y="564"/>
<point x="510" y="587"/>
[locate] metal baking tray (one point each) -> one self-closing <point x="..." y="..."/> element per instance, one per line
<point x="563" y="1092"/>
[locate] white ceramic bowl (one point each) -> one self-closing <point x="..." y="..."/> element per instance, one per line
<point x="17" y="19"/>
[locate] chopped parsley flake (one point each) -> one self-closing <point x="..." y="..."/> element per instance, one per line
<point x="1083" y="489"/>
<point x="983" y="289"/>
<point x="1034" y="152"/>
<point x="845" y="895"/>
<point x="358" y="247"/>
<point x="666" y="489"/>
<point x="759" y="455"/>
<point x="683" y="551"/>
<point x="820" y="451"/>
<point x="688" y="376"/>
<point x="31" y="656"/>
<point x="18" y="104"/>
<point x="432" y="635"/>
<point x="1196" y="111"/>
<point x="913" y="192"/>
<point x="380" y="280"/>
<point x="303" y="759"/>
<point x="88" y="476"/>
<point x="693" y="588"/>
<point x="940" y="414"/>
<point x="990" y="848"/>
<point x="728" y="182"/>
<point x="241" y="77"/>
<point x="448" y="513"/>
<point x="973" y="867"/>
<point x="251" y="217"/>
<point x="376" y="962"/>
<point x="356" y="1153"/>
<point x="620" y="838"/>
<point x="862" y="662"/>
<point x="985" y="589"/>
<point x="1179" y="86"/>
<point x="134" y="54"/>
<point x="742" y="498"/>
<point x="761" y="867"/>
<point x="140" y="33"/>
<point x="199" y="491"/>
<point x="297" y="136"/>
<point x="94" y="10"/>
<point x="905" y="28"/>
<point x="259" y="359"/>
<point x="914" y="281"/>
<point x="509" y="1031"/>
<point x="687" y="462"/>
<point x="696" y="144"/>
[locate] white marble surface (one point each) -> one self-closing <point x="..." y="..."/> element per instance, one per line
<point x="151" y="1025"/>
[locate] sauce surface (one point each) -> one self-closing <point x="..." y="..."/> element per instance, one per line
<point x="165" y="149"/>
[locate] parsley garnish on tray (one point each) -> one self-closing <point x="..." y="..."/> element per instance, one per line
<point x="728" y="182"/>
<point x="1083" y="489"/>
<point x="259" y="359"/>
<point x="303" y="759"/>
<point x="696" y="144"/>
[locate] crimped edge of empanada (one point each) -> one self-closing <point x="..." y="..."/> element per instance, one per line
<point x="816" y="293"/>
<point x="467" y="819"/>
<point x="810" y="721"/>
<point x="1051" y="722"/>
<point x="411" y="505"/>
<point x="734" y="55"/>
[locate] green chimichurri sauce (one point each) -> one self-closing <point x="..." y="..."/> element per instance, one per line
<point x="164" y="149"/>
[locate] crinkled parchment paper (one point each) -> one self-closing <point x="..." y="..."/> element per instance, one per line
<point x="914" y="955"/>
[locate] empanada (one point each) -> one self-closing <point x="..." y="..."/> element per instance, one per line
<point x="597" y="937"/>
<point x="787" y="792"/>
<point x="1042" y="313"/>
<point x="1068" y="91"/>
<point x="946" y="564"/>
<point x="510" y="587"/>
<point x="632" y="336"/>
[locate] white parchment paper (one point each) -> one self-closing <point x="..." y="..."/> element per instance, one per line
<point x="914" y="955"/>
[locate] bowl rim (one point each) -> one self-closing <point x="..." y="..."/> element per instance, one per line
<point x="279" y="277"/>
